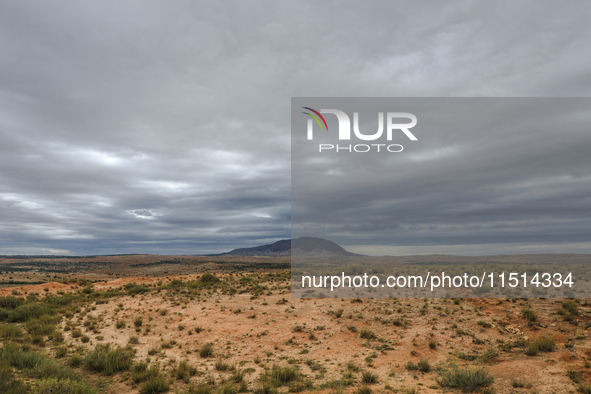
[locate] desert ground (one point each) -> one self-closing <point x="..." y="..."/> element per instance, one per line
<point x="227" y="331"/>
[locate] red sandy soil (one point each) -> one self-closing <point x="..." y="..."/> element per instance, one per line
<point x="269" y="335"/>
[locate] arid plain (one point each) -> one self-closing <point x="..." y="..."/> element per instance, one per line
<point x="179" y="324"/>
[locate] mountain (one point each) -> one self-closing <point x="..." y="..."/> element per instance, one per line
<point x="300" y="246"/>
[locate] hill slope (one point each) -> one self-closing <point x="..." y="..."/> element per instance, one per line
<point x="286" y="247"/>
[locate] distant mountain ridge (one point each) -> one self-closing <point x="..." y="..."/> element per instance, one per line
<point x="310" y="246"/>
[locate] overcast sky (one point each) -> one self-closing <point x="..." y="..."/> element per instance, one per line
<point x="485" y="176"/>
<point x="164" y="127"/>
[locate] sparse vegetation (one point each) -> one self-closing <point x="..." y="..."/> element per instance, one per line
<point x="369" y="377"/>
<point x="184" y="371"/>
<point x="155" y="384"/>
<point x="489" y="354"/>
<point x="108" y="361"/>
<point x="222" y="366"/>
<point x="468" y="379"/>
<point x="529" y="314"/>
<point x="540" y="344"/>
<point x="206" y="350"/>
<point x="424" y="365"/>
<point x="367" y="334"/>
<point x="62" y="386"/>
<point x="67" y="341"/>
<point x="279" y="376"/>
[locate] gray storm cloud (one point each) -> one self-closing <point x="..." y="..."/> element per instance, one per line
<point x="164" y="127"/>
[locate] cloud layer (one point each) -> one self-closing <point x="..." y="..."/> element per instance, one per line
<point x="486" y="176"/>
<point x="159" y="127"/>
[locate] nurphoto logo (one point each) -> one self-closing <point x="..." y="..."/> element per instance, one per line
<point x="344" y="130"/>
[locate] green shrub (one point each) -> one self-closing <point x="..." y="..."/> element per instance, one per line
<point x="184" y="371"/>
<point x="467" y="357"/>
<point x="410" y="366"/>
<point x="279" y="376"/>
<point x="339" y="313"/>
<point x="61" y="351"/>
<point x="266" y="388"/>
<point x="57" y="337"/>
<point x="363" y="390"/>
<point x="300" y="385"/>
<point x="26" y="312"/>
<point x="489" y="354"/>
<point x="10" y="332"/>
<point x="9" y="384"/>
<point x="10" y="302"/>
<point x="137" y="289"/>
<point x="38" y="340"/>
<point x="208" y="278"/>
<point x="369" y="377"/>
<point x="367" y="334"/>
<point x="540" y="344"/>
<point x="57" y="301"/>
<point x="484" y="324"/>
<point x="108" y="361"/>
<point x="529" y="314"/>
<point x="227" y="388"/>
<point x="120" y="324"/>
<point x="206" y="350"/>
<point x="138" y="321"/>
<point x="424" y="365"/>
<point x="573" y="375"/>
<point x="570" y="307"/>
<point x="140" y="372"/>
<point x="200" y="389"/>
<point x="468" y="379"/>
<point x="34" y="364"/>
<point x="63" y="386"/>
<point x="75" y="360"/>
<point x="221" y="366"/>
<point x="531" y="349"/>
<point x="168" y="345"/>
<point x="156" y="384"/>
<point x="237" y="376"/>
